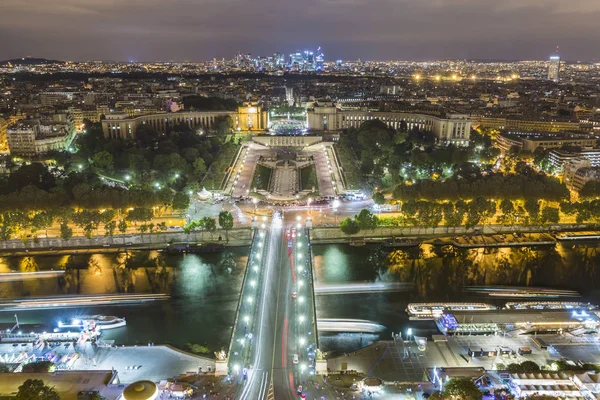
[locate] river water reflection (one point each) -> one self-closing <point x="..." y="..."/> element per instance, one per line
<point x="204" y="290"/>
<point x="439" y="273"/>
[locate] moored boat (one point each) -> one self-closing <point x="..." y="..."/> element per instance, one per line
<point x="400" y="243"/>
<point x="94" y="322"/>
<point x="515" y="291"/>
<point x="550" y="305"/>
<point x="357" y="243"/>
<point x="428" y="311"/>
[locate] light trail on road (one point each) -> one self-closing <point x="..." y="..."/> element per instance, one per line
<point x="348" y="325"/>
<point x="24" y="276"/>
<point x="350" y="288"/>
<point x="46" y="303"/>
<point x="260" y="375"/>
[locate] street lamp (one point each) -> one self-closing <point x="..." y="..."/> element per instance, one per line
<point x="309" y="201"/>
<point x="336" y="205"/>
<point x="255" y="201"/>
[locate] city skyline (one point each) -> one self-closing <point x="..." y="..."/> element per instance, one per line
<point x="186" y="31"/>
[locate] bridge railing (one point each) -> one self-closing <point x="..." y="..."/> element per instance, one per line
<point x="312" y="288"/>
<point x="242" y="290"/>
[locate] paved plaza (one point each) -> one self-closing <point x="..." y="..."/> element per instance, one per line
<point x="132" y="362"/>
<point x="323" y="168"/>
<point x="285" y="180"/>
<point x="240" y="179"/>
<point x="151" y="362"/>
<point x="285" y="177"/>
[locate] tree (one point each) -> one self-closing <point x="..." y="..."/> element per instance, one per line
<point x="106" y="216"/>
<point x="525" y="366"/>
<point x="378" y="198"/>
<point x="199" y="167"/>
<point x="66" y="232"/>
<point x="461" y="388"/>
<point x="508" y="212"/>
<point x="39" y="366"/>
<point x="122" y="226"/>
<point x="139" y="215"/>
<point x="197" y="348"/>
<point x="479" y="210"/>
<point x="6" y="228"/>
<point x="366" y="220"/>
<point x="109" y="228"/>
<point x="34" y="389"/>
<point x="226" y="222"/>
<point x="549" y="215"/>
<point x="181" y="201"/>
<point x="42" y="220"/>
<point x="223" y="125"/>
<point x="103" y="161"/>
<point x="532" y="206"/>
<point x="209" y="224"/>
<point x="349" y="226"/>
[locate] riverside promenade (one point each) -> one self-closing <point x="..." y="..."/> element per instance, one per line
<point x="237" y="237"/>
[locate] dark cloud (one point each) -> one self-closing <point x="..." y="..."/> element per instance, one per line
<point x="372" y="29"/>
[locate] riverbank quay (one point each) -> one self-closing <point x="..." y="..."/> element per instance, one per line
<point x="132" y="363"/>
<point x="405" y="361"/>
<point x="118" y="243"/>
<point x="488" y="236"/>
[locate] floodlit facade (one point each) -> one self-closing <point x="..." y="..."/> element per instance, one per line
<point x="452" y="129"/>
<point x="31" y="138"/>
<point x="525" y="125"/>
<point x="122" y="126"/>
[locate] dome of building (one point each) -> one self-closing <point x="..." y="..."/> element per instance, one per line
<point x="141" y="390"/>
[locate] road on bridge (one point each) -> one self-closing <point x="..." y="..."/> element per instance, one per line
<point x="274" y="353"/>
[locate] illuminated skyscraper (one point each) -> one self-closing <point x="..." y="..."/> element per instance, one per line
<point x="319" y="59"/>
<point x="554" y="68"/>
<point x="289" y="96"/>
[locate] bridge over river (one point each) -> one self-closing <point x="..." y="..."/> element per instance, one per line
<point x="274" y="342"/>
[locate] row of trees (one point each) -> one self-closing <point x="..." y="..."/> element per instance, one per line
<point x="26" y="225"/>
<point x="209" y="224"/>
<point x="470" y="214"/>
<point x="34" y="188"/>
<point x="363" y="221"/>
<point x="492" y="186"/>
<point x="465" y="389"/>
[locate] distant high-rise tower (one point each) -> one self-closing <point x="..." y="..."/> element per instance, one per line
<point x="289" y="96"/>
<point x="554" y="67"/>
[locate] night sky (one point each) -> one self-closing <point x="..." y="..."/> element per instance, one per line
<point x="196" y="30"/>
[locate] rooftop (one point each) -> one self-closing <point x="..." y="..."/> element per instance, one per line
<point x="521" y="316"/>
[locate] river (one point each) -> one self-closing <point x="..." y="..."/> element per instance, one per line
<point x="440" y="274"/>
<point x="205" y="287"/>
<point x="204" y="291"/>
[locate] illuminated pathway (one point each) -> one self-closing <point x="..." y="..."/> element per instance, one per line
<point x="280" y="320"/>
